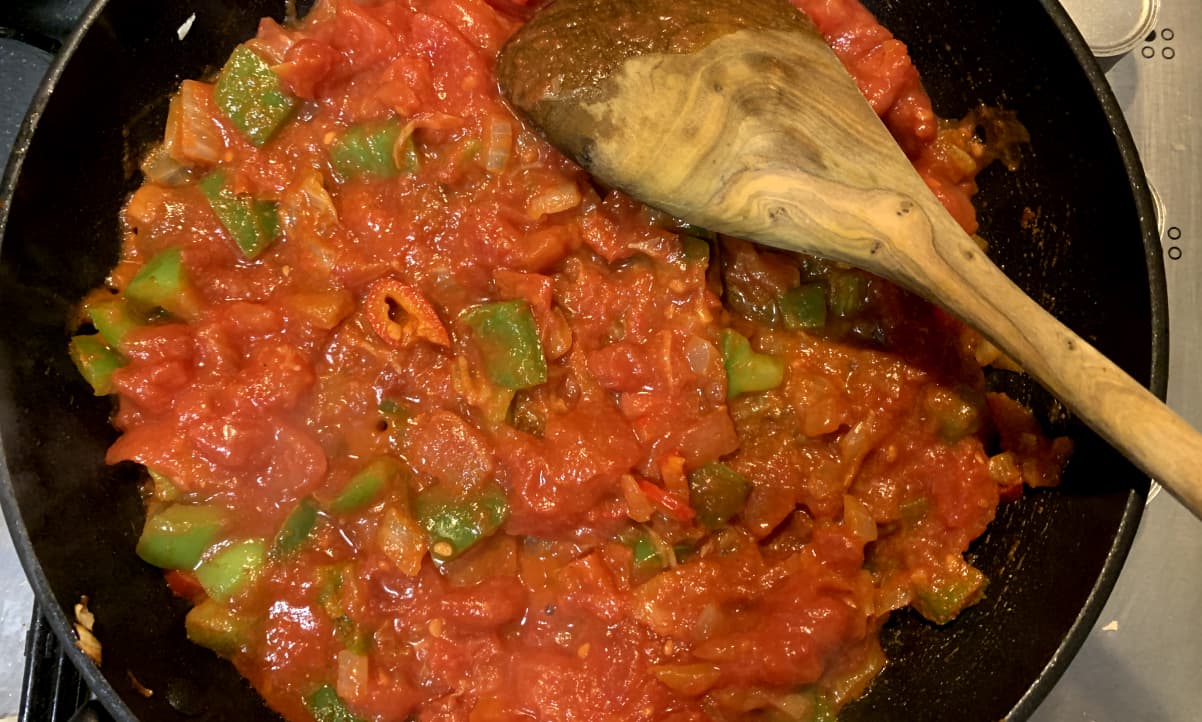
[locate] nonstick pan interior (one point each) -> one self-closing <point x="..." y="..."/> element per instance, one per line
<point x="1073" y="226"/>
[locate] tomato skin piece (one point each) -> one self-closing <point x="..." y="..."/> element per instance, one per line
<point x="306" y="66"/>
<point x="420" y="320"/>
<point x="183" y="584"/>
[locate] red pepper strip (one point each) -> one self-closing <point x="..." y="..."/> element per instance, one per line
<point x="183" y="584"/>
<point x="670" y="503"/>
<point x="399" y="313"/>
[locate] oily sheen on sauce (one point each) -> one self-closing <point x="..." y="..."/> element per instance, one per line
<point x="437" y="428"/>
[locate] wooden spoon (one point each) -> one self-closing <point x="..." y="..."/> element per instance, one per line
<point x="735" y="115"/>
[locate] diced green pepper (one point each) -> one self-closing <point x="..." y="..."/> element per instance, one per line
<point x="96" y="361"/>
<point x="455" y="523"/>
<point x="470" y="148"/>
<point x="688" y="230"/>
<point x="394" y="410"/>
<point x="849" y="293"/>
<point x="915" y="510"/>
<point x="746" y="370"/>
<point x="176" y="537"/>
<point x="369" y="150"/>
<point x="326" y="706"/>
<point x="252" y="223"/>
<point x="214" y="626"/>
<point x="804" y="307"/>
<point x="696" y="250"/>
<point x="113" y="318"/>
<point x="296" y="529"/>
<point x="251" y="95"/>
<point x="365" y="486"/>
<point x="941" y="595"/>
<point x="717" y="493"/>
<point x="229" y="570"/>
<point x="163" y="283"/>
<point x="353" y="637"/>
<point x="163" y="489"/>
<point x="646" y="556"/>
<point x="329" y="588"/>
<point x="957" y="412"/>
<point x="809" y="705"/>
<point x="507" y="336"/>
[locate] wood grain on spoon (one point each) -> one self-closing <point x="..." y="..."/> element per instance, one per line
<point x="736" y="116"/>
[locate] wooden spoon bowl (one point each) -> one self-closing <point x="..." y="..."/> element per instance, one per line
<point x="739" y="118"/>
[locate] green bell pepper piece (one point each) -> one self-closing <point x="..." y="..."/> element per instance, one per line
<point x="214" y="626"/>
<point x="804" y="307"/>
<point x="746" y="370"/>
<point x="365" y="486"/>
<point x="507" y="336"/>
<point x="251" y="96"/>
<point x="394" y="410"/>
<point x="176" y="537"/>
<point x="252" y="223"/>
<point x="326" y="706"/>
<point x="227" y="572"/>
<point x="296" y="529"/>
<point x="646" y="557"/>
<point x="947" y="592"/>
<point x="717" y="493"/>
<point x="163" y="283"/>
<point x="694" y="249"/>
<point x="96" y="361"/>
<point x="163" y="488"/>
<point x="353" y="637"/>
<point x="113" y="318"/>
<point x="646" y="560"/>
<point x="816" y="709"/>
<point x="455" y="523"/>
<point x="849" y="293"/>
<point x="367" y="151"/>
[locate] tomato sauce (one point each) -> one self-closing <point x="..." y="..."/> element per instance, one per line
<point x="471" y="423"/>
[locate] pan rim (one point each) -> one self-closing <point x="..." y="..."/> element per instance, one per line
<point x="44" y="596"/>
<point x="1158" y="371"/>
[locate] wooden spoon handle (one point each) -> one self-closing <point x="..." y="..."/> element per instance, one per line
<point x="943" y="264"/>
<point x="1117" y="407"/>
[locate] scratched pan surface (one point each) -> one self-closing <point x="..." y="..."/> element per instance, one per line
<point x="1088" y="250"/>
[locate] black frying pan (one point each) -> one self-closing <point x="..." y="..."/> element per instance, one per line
<point x="1092" y="256"/>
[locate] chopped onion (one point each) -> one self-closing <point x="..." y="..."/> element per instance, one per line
<point x="400" y="149"/>
<point x="159" y="167"/>
<point x="402" y="541"/>
<point x="352" y="674"/>
<point x="563" y="196"/>
<point x="795" y="705"/>
<point x="498" y="143"/>
<point x="708" y="621"/>
<point x="192" y="135"/>
<point x="858" y="520"/>
<point x="638" y="506"/>
<point x="701" y="355"/>
<point x="307" y="207"/>
<point x="690" y="680"/>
